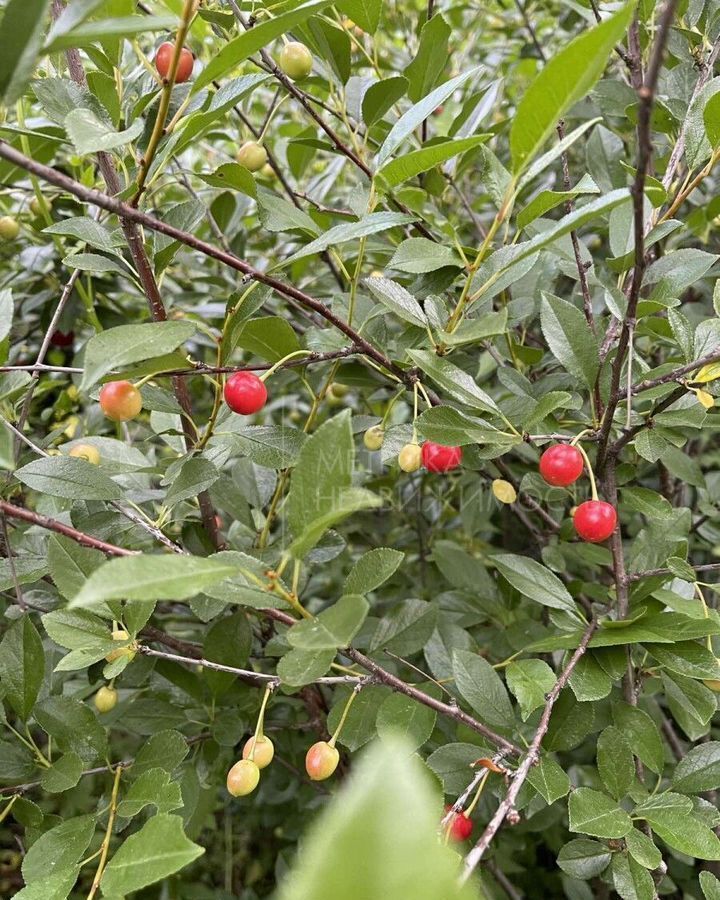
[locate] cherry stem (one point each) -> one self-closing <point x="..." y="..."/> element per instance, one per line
<point x="593" y="486"/>
<point x="282" y="361"/>
<point x="351" y="698"/>
<point x="468" y="811"/>
<point x="261" y="719"/>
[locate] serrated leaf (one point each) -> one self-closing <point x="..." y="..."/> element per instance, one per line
<point x="159" y="849"/>
<point x="594" y="813"/>
<point x="373" y="223"/>
<point x="481" y="686"/>
<point x="397" y="299"/>
<point x="570" y="340"/>
<point x="117" y="347"/>
<point x="402" y="169"/>
<point x="534" y="581"/>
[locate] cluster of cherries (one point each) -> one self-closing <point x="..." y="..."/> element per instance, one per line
<point x="321" y="760"/>
<point x="560" y="466"/>
<point x="295" y="61"/>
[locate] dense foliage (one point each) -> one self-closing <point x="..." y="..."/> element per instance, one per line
<point x="293" y="298"/>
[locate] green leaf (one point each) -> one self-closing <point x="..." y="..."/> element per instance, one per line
<point x="409" y="121"/>
<point x="158" y="850"/>
<point x="570" y="340"/>
<point x="151" y="577"/>
<point x="482" y="687"/>
<point x="299" y="667"/>
<point x="228" y="642"/>
<point x="449" y="427"/>
<point x="401" y="716"/>
<point x="684" y="833"/>
<point x="615" y="761"/>
<point x="418" y="255"/>
<point x="389" y="810"/>
<point x="588" y="680"/>
<point x="381" y="96"/>
<point x="76" y="629"/>
<point x="91" y="134"/>
<point x="333" y="628"/>
<point x="58" y="849"/>
<point x="195" y="476"/>
<point x="566" y="78"/>
<point x="256" y="38"/>
<point x="365" y="13"/>
<point x="534" y="581"/>
<point x="373" y="569"/>
<point x="165" y="750"/>
<point x="549" y="780"/>
<point x="117" y="347"/>
<point x="414" y="163"/>
<point x="6" y="312"/>
<point x="686" y="658"/>
<point x="397" y="299"/>
<point x="596" y="814"/>
<point x="631" y="880"/>
<point x="584" y="859"/>
<point x="547" y="200"/>
<point x="152" y="788"/>
<point x="470" y="331"/>
<point x="698" y="770"/>
<point x="642" y="849"/>
<point x="73" y="726"/>
<point x="70" y="565"/>
<point x="339" y="505"/>
<point x="63" y="775"/>
<point x="117" y="27"/>
<point x="21" y="31"/>
<point x="22" y="665"/>
<point x="373" y="223"/>
<point x="529" y="680"/>
<point x="406" y="628"/>
<point x="642" y="734"/>
<point x="69" y="477"/>
<point x="324" y="468"/>
<point x="457" y="383"/>
<point x="269" y="337"/>
<point x="710" y="886"/>
<point x="84" y="229"/>
<point x="431" y="58"/>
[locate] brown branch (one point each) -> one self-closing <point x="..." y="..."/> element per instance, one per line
<point x="507" y="806"/>
<point x="87" y="540"/>
<point x="382" y="676"/>
<point x="148" y="282"/>
<point x="123" y="210"/>
<point x="646" y="95"/>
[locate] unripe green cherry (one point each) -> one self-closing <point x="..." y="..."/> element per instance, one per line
<point x="296" y="60"/>
<point x="86" y="452"/>
<point x="252" y="155"/>
<point x="374" y="437"/>
<point x="410" y="458"/>
<point x="36" y="208"/>
<point x="243" y="778"/>
<point x="321" y="760"/>
<point x="105" y="699"/>
<point x="9" y="228"/>
<point x="338" y="390"/>
<point x="263" y="753"/>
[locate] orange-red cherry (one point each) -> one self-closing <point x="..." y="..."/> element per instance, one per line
<point x="561" y="465"/>
<point x="245" y="393"/>
<point x="437" y="458"/>
<point x="461" y="826"/>
<point x="163" y="59"/>
<point x="595" y="520"/>
<point x="120" y="400"/>
<point x="321" y="760"/>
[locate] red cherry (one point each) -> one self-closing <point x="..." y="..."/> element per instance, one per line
<point x="461" y="825"/>
<point x="595" y="520"/>
<point x="245" y="393"/>
<point x="561" y="465"/>
<point x="62" y="338"/>
<point x="163" y="59"/>
<point x="437" y="458"/>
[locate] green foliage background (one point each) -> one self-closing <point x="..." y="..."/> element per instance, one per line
<point x="490" y="225"/>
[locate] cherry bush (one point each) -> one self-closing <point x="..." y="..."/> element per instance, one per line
<point x="359" y="509"/>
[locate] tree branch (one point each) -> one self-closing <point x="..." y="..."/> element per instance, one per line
<point x="508" y="804"/>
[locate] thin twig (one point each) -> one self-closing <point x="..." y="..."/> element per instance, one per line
<point x="508" y="804"/>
